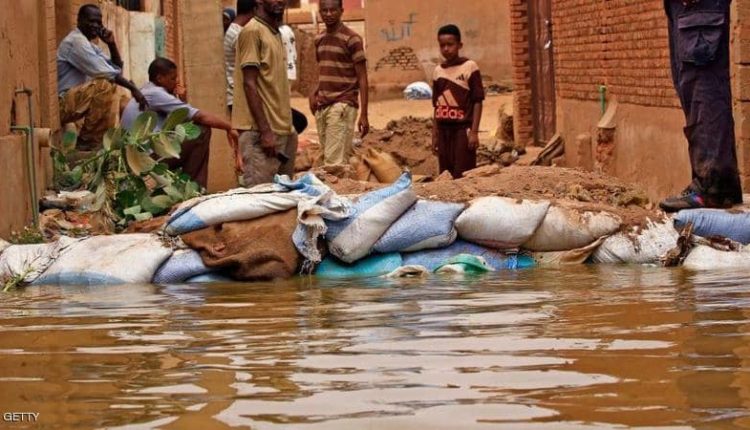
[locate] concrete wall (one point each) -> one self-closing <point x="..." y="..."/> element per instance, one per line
<point x="204" y="71"/>
<point x="402" y="43"/>
<point x="647" y="149"/>
<point x="27" y="29"/>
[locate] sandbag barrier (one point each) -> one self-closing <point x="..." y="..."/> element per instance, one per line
<point x="301" y="226"/>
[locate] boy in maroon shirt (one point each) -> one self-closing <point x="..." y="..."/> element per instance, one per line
<point x="457" y="95"/>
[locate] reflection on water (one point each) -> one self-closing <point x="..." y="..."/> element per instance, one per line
<point x="590" y="348"/>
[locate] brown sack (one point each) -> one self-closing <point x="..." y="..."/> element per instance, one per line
<point x="253" y="250"/>
<point x="385" y="168"/>
<point x="362" y="170"/>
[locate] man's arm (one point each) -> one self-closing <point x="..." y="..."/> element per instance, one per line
<point x="109" y="38"/>
<point x="474" y="132"/>
<point x="121" y="81"/>
<point x="209" y="119"/>
<point x="250" y="76"/>
<point x="364" y="97"/>
<point x="314" y="99"/>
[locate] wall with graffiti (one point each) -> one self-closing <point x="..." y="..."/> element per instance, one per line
<point x="402" y="39"/>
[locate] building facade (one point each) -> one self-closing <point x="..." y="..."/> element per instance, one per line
<point x="601" y="69"/>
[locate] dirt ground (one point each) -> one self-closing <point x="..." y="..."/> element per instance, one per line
<point x="381" y="112"/>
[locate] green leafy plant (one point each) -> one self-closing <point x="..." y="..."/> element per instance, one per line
<point x="127" y="175"/>
<point x="27" y="236"/>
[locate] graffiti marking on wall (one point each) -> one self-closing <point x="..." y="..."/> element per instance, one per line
<point x="395" y="33"/>
<point x="402" y="58"/>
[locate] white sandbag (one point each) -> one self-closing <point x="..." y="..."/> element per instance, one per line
<point x="30" y="261"/>
<point x="646" y="246"/>
<point x="706" y="258"/>
<point x="499" y="222"/>
<point x="565" y="258"/>
<point x="116" y="259"/>
<point x="3" y="245"/>
<point x="565" y="228"/>
<point x="234" y="205"/>
<point x="372" y="214"/>
<point x="426" y="225"/>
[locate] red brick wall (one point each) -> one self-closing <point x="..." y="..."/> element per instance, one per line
<point x="621" y="44"/>
<point x="523" y="126"/>
<point x="618" y="43"/>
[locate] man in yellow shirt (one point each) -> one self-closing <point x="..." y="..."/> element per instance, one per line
<point x="262" y="112"/>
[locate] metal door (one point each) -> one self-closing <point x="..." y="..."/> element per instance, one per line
<point x="542" y="62"/>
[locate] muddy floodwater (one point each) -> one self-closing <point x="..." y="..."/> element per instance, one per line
<point x="590" y="348"/>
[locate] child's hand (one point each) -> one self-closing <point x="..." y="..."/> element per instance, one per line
<point x="473" y="140"/>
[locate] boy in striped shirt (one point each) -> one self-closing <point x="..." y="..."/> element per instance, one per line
<point x="343" y="80"/>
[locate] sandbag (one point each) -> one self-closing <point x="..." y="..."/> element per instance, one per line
<point x="716" y="222"/>
<point x="362" y="170"/>
<point x="208" y="278"/>
<point x="383" y="166"/>
<point x="565" y="228"/>
<point x="182" y="265"/>
<point x="434" y="258"/>
<point x="465" y="264"/>
<point x="637" y="246"/>
<point x="254" y="250"/>
<point x="234" y="205"/>
<point x="3" y="245"/>
<point x="408" y="272"/>
<point x="374" y="265"/>
<point x="565" y="258"/>
<point x="418" y="91"/>
<point x="28" y="262"/>
<point x="425" y="225"/>
<point x="499" y="222"/>
<point x="707" y="258"/>
<point x="106" y="260"/>
<point x="372" y="214"/>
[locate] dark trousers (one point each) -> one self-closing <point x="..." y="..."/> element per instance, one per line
<point x="194" y="157"/>
<point x="699" y="56"/>
<point x="454" y="154"/>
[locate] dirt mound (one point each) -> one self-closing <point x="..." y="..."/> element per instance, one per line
<point x="409" y="141"/>
<point x="584" y="190"/>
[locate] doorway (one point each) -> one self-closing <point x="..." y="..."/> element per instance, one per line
<point x="542" y="63"/>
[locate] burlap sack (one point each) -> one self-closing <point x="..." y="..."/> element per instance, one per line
<point x="254" y="250"/>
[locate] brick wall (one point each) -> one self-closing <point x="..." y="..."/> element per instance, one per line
<point x="620" y="43"/>
<point x="523" y="125"/>
<point x="741" y="83"/>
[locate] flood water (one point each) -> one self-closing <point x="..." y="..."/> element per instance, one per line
<point x="590" y="348"/>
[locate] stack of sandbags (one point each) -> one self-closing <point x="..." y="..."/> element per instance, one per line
<point x="638" y="245"/>
<point x="117" y="259"/>
<point x="252" y="250"/>
<point x="553" y="234"/>
<point x="371" y="216"/>
<point x="716" y="222"/>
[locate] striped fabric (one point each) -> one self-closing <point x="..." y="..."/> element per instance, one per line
<point x="337" y="53"/>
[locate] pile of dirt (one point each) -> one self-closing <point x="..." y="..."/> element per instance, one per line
<point x="409" y="141"/>
<point x="584" y="190"/>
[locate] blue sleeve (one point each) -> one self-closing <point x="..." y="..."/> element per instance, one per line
<point x="165" y="103"/>
<point x="92" y="62"/>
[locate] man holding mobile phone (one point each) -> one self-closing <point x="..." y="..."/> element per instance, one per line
<point x="263" y="112"/>
<point x="86" y="79"/>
